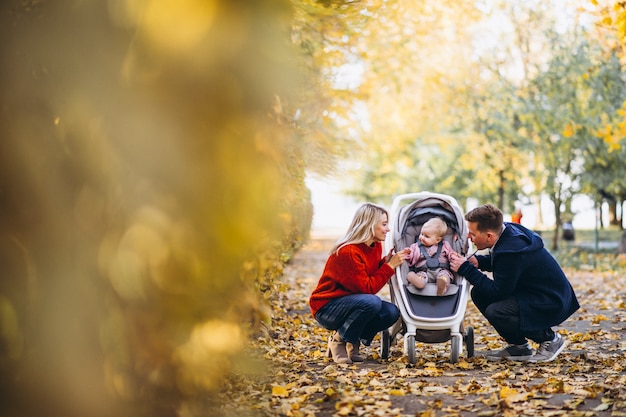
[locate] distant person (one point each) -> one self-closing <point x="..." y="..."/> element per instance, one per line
<point x="429" y="257"/>
<point x="345" y="299"/>
<point x="516" y="217"/>
<point x="568" y="231"/>
<point x="529" y="292"/>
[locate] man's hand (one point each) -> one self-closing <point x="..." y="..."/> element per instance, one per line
<point x="456" y="260"/>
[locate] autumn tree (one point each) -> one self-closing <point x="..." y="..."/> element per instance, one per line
<point x="508" y="56"/>
<point x="409" y="53"/>
<point x="559" y="118"/>
<point x="327" y="35"/>
<point x="604" y="174"/>
<point x="611" y="33"/>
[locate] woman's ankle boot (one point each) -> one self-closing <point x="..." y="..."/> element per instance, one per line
<point x="353" y="352"/>
<point x="337" y="349"/>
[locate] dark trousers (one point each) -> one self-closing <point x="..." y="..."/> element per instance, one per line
<point x="357" y="317"/>
<point x="504" y="317"/>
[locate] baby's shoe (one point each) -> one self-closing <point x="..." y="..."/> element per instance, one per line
<point x="443" y="282"/>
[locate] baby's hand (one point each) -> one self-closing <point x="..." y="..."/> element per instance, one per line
<point x="456" y="260"/>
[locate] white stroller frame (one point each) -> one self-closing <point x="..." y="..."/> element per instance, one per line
<point x="427" y="326"/>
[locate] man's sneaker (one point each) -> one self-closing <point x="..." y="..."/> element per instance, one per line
<point x="549" y="350"/>
<point x="513" y="353"/>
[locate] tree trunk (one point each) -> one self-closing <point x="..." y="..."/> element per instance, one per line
<point x="613" y="219"/>
<point x="621" y="248"/>
<point x="557" y="225"/>
<point x="600" y="216"/>
<point x="501" y="190"/>
<point x="538" y="215"/>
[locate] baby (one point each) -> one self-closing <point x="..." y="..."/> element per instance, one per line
<point x="430" y="257"/>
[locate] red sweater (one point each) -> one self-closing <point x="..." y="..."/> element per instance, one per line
<point x="356" y="269"/>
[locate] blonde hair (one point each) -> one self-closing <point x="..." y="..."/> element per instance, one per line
<point x="362" y="227"/>
<point x="439" y="226"/>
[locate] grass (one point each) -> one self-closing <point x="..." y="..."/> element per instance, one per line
<point x="591" y="250"/>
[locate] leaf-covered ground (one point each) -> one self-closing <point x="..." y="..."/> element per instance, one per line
<point x="587" y="379"/>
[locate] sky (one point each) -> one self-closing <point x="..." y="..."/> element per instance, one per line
<point x="333" y="211"/>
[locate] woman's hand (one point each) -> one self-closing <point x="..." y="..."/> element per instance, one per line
<point x="390" y="254"/>
<point x="395" y="260"/>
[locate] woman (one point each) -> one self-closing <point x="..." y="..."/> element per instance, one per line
<point x="345" y="297"/>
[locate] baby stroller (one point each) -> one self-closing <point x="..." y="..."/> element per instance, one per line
<point x="424" y="316"/>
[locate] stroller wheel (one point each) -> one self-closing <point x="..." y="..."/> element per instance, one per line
<point x="410" y="349"/>
<point x="455" y="351"/>
<point x="385" y="343"/>
<point x="469" y="341"/>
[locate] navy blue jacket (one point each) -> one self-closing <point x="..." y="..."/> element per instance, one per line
<point x="523" y="268"/>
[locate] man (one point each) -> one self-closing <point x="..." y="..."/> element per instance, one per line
<point x="529" y="292"/>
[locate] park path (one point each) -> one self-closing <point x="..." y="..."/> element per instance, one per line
<point x="587" y="379"/>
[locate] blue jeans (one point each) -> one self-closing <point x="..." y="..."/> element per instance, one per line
<point x="504" y="317"/>
<point x="358" y="317"/>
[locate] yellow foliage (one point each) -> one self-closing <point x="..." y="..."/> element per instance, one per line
<point x="613" y="133"/>
<point x="156" y="188"/>
<point x="203" y="359"/>
<point x="568" y="131"/>
<point x="178" y="24"/>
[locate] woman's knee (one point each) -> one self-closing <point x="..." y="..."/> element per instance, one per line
<point x="370" y="302"/>
<point x="389" y="312"/>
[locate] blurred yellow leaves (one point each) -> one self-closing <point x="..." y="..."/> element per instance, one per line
<point x="172" y="25"/>
<point x="580" y="337"/>
<point x="398" y="392"/>
<point x="614" y="17"/>
<point x="279" y="391"/>
<point x="598" y="318"/>
<point x="154" y="209"/>
<point x="614" y="132"/>
<point x="177" y="24"/>
<point x="204" y="357"/>
<point x="511" y="395"/>
<point x="10" y="332"/>
<point x="568" y="131"/>
<point x="138" y="256"/>
<point x="613" y="135"/>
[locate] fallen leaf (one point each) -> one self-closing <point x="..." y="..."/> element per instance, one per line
<point x="280" y="391"/>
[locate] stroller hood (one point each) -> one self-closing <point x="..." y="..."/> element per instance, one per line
<point x="425" y="205"/>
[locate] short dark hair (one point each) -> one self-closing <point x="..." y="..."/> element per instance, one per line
<point x="487" y="217"/>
